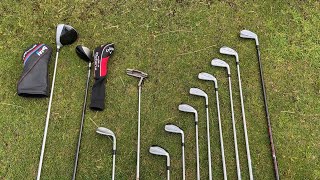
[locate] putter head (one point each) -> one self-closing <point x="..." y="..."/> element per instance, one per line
<point x="136" y="73"/>
<point x="219" y="63"/>
<point x="208" y="77"/>
<point x="105" y="131"/>
<point x="249" y="35"/>
<point x="65" y="35"/>
<point x="173" y="129"/>
<point x="228" y="51"/>
<point x="84" y="53"/>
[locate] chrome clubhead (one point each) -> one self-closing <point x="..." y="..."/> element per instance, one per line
<point x="219" y="63"/>
<point x="84" y="53"/>
<point x="157" y="150"/>
<point x="187" y="108"/>
<point x="249" y="35"/>
<point x="107" y="132"/>
<point x="228" y="51"/>
<point x="136" y="73"/>
<point x="65" y="35"/>
<point x="208" y="77"/>
<point x="198" y="92"/>
<point x="173" y="129"/>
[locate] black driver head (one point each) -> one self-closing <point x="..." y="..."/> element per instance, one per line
<point x="65" y="35"/>
<point x="84" y="53"/>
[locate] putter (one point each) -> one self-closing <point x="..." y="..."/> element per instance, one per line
<point x="250" y="35"/>
<point x="220" y="63"/>
<point x="190" y="109"/>
<point x="209" y="77"/>
<point x="229" y="51"/>
<point x="201" y="93"/>
<point x="142" y="76"/>
<point x="65" y="35"/>
<point x="85" y="54"/>
<point x="175" y="129"/>
<point x="107" y="132"/>
<point x="157" y="150"/>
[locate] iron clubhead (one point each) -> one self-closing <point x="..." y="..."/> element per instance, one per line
<point x="249" y="35"/>
<point x="187" y="108"/>
<point x="157" y="150"/>
<point x="198" y="92"/>
<point x="173" y="129"/>
<point x="208" y="77"/>
<point x="105" y="131"/>
<point x="84" y="53"/>
<point x="219" y="63"/>
<point x="65" y="35"/>
<point x="229" y="51"/>
<point x="136" y="73"/>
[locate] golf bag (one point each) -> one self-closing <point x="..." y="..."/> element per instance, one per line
<point x="101" y="57"/>
<point x="34" y="79"/>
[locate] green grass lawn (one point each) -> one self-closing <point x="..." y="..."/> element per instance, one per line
<point x="172" y="41"/>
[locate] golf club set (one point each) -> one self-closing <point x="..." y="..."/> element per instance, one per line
<point x="34" y="83"/>
<point x="218" y="63"/>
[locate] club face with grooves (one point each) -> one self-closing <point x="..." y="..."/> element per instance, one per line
<point x="173" y="129"/>
<point x="249" y="35"/>
<point x="65" y="35"/>
<point x="228" y="51"/>
<point x="198" y="92"/>
<point x="220" y="63"/>
<point x="187" y="108"/>
<point x="84" y="53"/>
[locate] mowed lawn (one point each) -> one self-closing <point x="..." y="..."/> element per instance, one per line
<point x="172" y="41"/>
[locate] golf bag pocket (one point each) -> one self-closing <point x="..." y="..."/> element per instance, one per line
<point x="34" y="79"/>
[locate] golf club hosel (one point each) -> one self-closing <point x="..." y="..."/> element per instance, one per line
<point x="140" y="82"/>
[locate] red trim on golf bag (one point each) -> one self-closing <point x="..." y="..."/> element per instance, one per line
<point x="104" y="66"/>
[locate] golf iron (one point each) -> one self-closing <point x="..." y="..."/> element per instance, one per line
<point x="65" y="35"/>
<point x="141" y="75"/>
<point x="85" y="54"/>
<point x="107" y="132"/>
<point x="220" y="63"/>
<point x="250" y="35"/>
<point x="171" y="128"/>
<point x="201" y="93"/>
<point x="189" y="109"/>
<point x="209" y="77"/>
<point x="229" y="51"/>
<point x="157" y="150"/>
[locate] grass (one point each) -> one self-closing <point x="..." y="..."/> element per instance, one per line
<point x="172" y="41"/>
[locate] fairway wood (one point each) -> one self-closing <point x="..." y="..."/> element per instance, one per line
<point x="228" y="51"/>
<point x="84" y="53"/>
<point x="65" y="35"/>
<point x="208" y="77"/>
<point x="220" y="63"/>
<point x="249" y="35"/>
<point x="186" y="108"/>
<point x="173" y="128"/>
